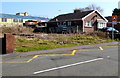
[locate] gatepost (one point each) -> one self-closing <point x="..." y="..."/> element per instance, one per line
<point x="8" y="43"/>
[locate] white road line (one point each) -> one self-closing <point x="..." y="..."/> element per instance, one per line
<point x="65" y="66"/>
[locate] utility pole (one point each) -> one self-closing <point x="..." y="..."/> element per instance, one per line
<point x="112" y="32"/>
<point x="77" y="28"/>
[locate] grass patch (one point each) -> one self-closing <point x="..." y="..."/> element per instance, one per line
<point x="58" y="41"/>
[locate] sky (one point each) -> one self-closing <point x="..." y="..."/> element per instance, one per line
<point x="51" y="9"/>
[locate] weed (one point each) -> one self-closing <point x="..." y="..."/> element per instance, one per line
<point x="58" y="41"/>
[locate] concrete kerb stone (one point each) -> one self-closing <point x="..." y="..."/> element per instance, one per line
<point x="10" y="55"/>
<point x="32" y="53"/>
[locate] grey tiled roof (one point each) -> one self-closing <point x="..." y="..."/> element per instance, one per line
<point x="22" y="17"/>
<point x="71" y="16"/>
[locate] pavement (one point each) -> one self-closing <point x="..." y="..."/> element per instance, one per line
<point x="95" y="60"/>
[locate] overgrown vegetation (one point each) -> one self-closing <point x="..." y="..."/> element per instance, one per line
<point x="16" y="29"/>
<point x="26" y="40"/>
<point x="51" y="41"/>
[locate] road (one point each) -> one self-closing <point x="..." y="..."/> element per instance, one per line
<point x="99" y="61"/>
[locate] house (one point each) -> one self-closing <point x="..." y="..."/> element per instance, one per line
<point x="16" y="20"/>
<point x="86" y="21"/>
<point x="22" y="14"/>
<point x="109" y="24"/>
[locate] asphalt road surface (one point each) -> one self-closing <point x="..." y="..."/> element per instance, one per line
<point x="100" y="61"/>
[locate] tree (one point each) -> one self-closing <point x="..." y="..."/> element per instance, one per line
<point x="116" y="12"/>
<point x="90" y="7"/>
<point x="94" y="7"/>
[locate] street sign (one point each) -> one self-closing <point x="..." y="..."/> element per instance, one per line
<point x="114" y="22"/>
<point x="114" y="19"/>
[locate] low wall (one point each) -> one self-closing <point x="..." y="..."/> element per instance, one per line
<point x="7" y="43"/>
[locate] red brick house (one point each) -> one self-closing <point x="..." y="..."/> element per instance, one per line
<point x="109" y="24"/>
<point x="86" y="21"/>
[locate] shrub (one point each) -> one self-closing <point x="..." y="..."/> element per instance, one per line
<point x="97" y="33"/>
<point x="17" y="29"/>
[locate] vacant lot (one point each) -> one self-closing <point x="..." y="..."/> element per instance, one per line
<point x="50" y="41"/>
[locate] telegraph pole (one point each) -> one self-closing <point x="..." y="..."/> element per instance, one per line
<point x="77" y="29"/>
<point x="112" y="32"/>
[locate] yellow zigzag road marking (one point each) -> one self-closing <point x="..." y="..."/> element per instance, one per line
<point x="100" y="48"/>
<point x="32" y="58"/>
<point x="73" y="53"/>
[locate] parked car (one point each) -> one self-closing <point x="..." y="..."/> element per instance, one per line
<point x="109" y="29"/>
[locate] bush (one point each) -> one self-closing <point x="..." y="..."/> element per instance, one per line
<point x="17" y="29"/>
<point x="97" y="33"/>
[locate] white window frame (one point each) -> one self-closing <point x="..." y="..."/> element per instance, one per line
<point x="101" y="25"/>
<point x="88" y="24"/>
<point x="69" y="23"/>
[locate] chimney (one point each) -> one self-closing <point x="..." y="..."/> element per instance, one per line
<point x="77" y="10"/>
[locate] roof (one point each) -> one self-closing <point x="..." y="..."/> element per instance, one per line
<point x="72" y="16"/>
<point x="109" y="18"/>
<point x="76" y="16"/>
<point x="22" y="17"/>
<point x="98" y="14"/>
<point x="100" y="21"/>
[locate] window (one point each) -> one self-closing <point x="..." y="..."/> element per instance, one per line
<point x="15" y="20"/>
<point x="59" y="23"/>
<point x="69" y="23"/>
<point x="88" y="24"/>
<point x="64" y="23"/>
<point x="4" y="19"/>
<point x="101" y="25"/>
<point x="20" y="20"/>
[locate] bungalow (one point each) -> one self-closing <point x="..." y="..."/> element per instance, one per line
<point x="86" y="21"/>
<point x="109" y="24"/>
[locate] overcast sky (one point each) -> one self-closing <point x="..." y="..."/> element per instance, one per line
<point x="52" y="8"/>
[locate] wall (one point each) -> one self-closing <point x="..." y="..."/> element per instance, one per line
<point x="7" y="44"/>
<point x="92" y="18"/>
<point x="25" y="20"/>
<point x="89" y="29"/>
<point x="11" y="23"/>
